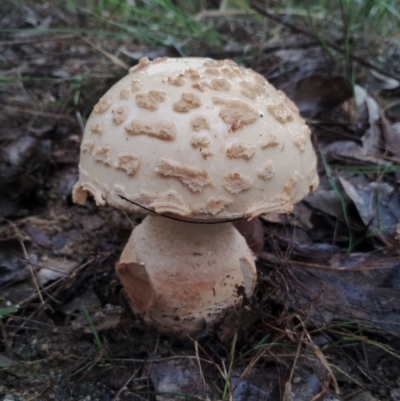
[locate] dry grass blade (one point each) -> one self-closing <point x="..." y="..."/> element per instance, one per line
<point x="28" y="260"/>
<point x="325" y="386"/>
<point x="250" y="366"/>
<point x="36" y="40"/>
<point x="288" y="384"/>
<point x="118" y="393"/>
<point x="196" y="347"/>
<point x="113" y="58"/>
<point x="39" y="113"/>
<point x="322" y="359"/>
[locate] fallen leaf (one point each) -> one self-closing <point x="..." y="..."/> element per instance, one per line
<point x="13" y="266"/>
<point x="257" y="385"/>
<point x="179" y="376"/>
<point x="344" y="295"/>
<point x="253" y="233"/>
<point x="104" y="319"/>
<point x="385" y="82"/>
<point x="391" y="135"/>
<point x="316" y="94"/>
<point x="54" y="268"/>
<point x="38" y="236"/>
<point x="379" y="208"/>
<point x="327" y="201"/>
<point x="300" y="242"/>
<point x="351" y="150"/>
<point x="372" y="138"/>
<point x="300" y="217"/>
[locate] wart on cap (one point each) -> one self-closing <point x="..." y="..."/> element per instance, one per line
<point x="194" y="178"/>
<point x="164" y="130"/>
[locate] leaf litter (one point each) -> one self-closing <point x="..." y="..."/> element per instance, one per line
<point x="324" y="321"/>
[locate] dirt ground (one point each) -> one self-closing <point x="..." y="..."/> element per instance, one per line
<point x="324" y="321"/>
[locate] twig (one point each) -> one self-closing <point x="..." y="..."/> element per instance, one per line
<point x="151" y="361"/>
<point x="5" y="339"/>
<point x="322" y="359"/>
<point x="57" y="282"/>
<point x="156" y="347"/>
<point x="344" y="373"/>
<point x="166" y="359"/>
<point x="250" y="366"/>
<point x="196" y="348"/>
<point x="26" y="256"/>
<point x="118" y="393"/>
<point x="288" y="384"/>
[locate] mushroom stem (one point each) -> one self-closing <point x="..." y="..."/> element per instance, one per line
<point x="179" y="275"/>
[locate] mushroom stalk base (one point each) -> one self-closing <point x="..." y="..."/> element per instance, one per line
<point x="179" y="275"/>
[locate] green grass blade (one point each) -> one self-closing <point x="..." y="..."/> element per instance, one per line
<point x="8" y="310"/>
<point x="93" y="328"/>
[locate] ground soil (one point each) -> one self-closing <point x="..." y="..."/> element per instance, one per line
<point x="322" y="324"/>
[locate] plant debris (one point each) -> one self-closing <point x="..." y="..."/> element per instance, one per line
<point x="323" y="323"/>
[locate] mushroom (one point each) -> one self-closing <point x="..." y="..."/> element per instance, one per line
<point x="192" y="142"/>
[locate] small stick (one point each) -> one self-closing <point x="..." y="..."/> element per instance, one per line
<point x="26" y="256"/>
<point x="118" y="393"/>
<point x="31" y="270"/>
<point x="196" y="347"/>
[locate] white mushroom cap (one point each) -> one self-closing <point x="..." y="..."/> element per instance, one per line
<point x="196" y="138"/>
